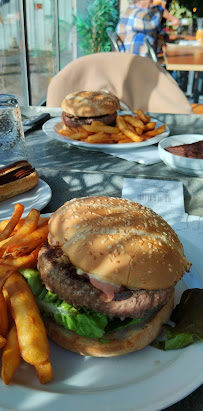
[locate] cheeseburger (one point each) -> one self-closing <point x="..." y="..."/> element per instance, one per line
<point x="84" y="107"/>
<point x="110" y="267"/>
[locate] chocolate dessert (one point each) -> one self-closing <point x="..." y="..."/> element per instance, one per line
<point x="193" y="150"/>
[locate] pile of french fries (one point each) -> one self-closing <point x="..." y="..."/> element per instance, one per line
<point x="22" y="331"/>
<point x="128" y="129"/>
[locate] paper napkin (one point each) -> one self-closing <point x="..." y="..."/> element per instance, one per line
<point x="166" y="198"/>
<point x="162" y="196"/>
<point x="143" y="155"/>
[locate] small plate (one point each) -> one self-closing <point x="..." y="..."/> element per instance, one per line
<point x="183" y="165"/>
<point x="51" y="126"/>
<point x="37" y="198"/>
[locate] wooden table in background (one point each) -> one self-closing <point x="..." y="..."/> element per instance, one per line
<point x="186" y="58"/>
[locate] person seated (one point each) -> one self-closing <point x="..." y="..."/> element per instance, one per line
<point x="141" y="19"/>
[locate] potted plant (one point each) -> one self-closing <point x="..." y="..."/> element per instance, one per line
<point x="92" y="27"/>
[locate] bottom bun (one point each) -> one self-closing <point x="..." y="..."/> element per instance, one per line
<point x="119" y="343"/>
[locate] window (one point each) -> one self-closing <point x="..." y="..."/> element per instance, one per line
<point x="36" y="40"/>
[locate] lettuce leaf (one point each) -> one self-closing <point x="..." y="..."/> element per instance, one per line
<point x="188" y="319"/>
<point x="86" y="323"/>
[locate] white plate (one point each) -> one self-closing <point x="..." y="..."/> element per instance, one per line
<point x="183" y="165"/>
<point x="38" y="198"/>
<point x="147" y="380"/>
<point x="54" y="124"/>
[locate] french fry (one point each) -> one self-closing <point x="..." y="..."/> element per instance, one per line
<point x="127" y="140"/>
<point x="65" y="133"/>
<point x="134" y="121"/>
<point x="139" y="131"/>
<point x="142" y="116"/>
<point x="123" y="127"/>
<point x="150" y="126"/>
<point x="3" y="224"/>
<point x="3" y="316"/>
<point x="156" y="131"/>
<point x="26" y="261"/>
<point x="5" y="271"/>
<point x="118" y="137"/>
<point x="2" y="341"/>
<point x="44" y="372"/>
<point x="42" y="221"/>
<point x="28" y="243"/>
<point x="97" y="126"/>
<point x="32" y="338"/>
<point x="98" y="138"/>
<point x="30" y="224"/>
<point x="11" y="356"/>
<point x="3" y="242"/>
<point x="18" y="211"/>
<point x="78" y="135"/>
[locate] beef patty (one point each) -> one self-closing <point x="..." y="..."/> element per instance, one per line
<point x="60" y="277"/>
<point x="71" y="121"/>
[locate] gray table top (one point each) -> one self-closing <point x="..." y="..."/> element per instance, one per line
<point x="72" y="172"/>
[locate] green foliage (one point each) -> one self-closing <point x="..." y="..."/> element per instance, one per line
<point x="179" y="10"/>
<point x="191" y="4"/>
<point x="91" y="28"/>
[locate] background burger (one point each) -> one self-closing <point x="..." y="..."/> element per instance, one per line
<point x="84" y="107"/>
<point x="110" y="266"/>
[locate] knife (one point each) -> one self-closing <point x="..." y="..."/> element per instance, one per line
<point x="33" y="123"/>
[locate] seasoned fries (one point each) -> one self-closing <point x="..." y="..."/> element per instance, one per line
<point x="32" y="337"/>
<point x="22" y="331"/>
<point x="44" y="372"/>
<point x="128" y="129"/>
<point x="2" y="341"/>
<point x="18" y="211"/>
<point x="11" y="356"/>
<point x="3" y="316"/>
<point x="28" y="227"/>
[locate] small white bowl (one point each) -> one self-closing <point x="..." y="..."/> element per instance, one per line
<point x="183" y="165"/>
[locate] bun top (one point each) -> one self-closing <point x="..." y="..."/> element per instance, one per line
<point x="90" y="103"/>
<point x="120" y="242"/>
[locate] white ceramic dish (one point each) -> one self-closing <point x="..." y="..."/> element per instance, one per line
<point x="183" y="165"/>
<point x="147" y="380"/>
<point x="51" y="127"/>
<point x="38" y="198"/>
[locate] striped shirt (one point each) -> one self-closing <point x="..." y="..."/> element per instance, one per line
<point x="137" y="23"/>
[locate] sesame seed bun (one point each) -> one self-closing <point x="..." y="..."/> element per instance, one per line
<point x="120" y="242"/>
<point x="90" y="103"/>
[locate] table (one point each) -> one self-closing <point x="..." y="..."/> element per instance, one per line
<point x="183" y="57"/>
<point x="69" y="170"/>
<point x="73" y="172"/>
<point x="186" y="58"/>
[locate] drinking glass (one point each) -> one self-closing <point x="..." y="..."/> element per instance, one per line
<point x="12" y="139"/>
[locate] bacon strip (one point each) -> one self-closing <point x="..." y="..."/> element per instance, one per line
<point x="107" y="289"/>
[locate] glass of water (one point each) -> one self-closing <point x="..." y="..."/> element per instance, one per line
<point x="12" y="139"/>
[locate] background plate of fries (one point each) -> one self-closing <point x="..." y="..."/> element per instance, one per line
<point x="31" y="380"/>
<point x="99" y="137"/>
<point x="38" y="198"/>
